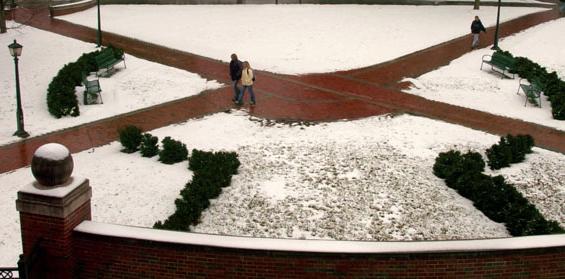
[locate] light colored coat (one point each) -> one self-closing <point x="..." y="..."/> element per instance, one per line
<point x="247" y="77"/>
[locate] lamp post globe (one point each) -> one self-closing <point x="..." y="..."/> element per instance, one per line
<point x="16" y="51"/>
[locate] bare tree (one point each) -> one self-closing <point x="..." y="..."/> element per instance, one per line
<point x="477" y="4"/>
<point x="2" y="18"/>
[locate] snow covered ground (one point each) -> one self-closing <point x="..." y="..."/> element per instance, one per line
<point x="368" y="179"/>
<point x="307" y="39"/>
<point x="462" y="83"/>
<point x="141" y="85"/>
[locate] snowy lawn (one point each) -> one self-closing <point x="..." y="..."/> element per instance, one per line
<point x="307" y="39"/>
<point x="141" y="85"/>
<point x="462" y="83"/>
<point x="367" y="179"/>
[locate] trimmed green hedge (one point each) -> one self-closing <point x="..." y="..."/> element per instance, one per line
<point x="61" y="97"/>
<point x="130" y="138"/>
<point x="149" y="145"/>
<point x="509" y="150"/>
<point x="212" y="172"/>
<point x="173" y="151"/>
<point x="498" y="200"/>
<point x="553" y="86"/>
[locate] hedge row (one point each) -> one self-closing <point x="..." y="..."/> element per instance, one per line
<point x="212" y="172"/>
<point x="61" y="97"/>
<point x="509" y="150"/>
<point x="553" y="86"/>
<point x="498" y="200"/>
<point x="132" y="140"/>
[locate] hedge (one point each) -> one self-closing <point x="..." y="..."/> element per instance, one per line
<point x="553" y="86"/>
<point x="509" y="150"/>
<point x="212" y="172"/>
<point x="498" y="200"/>
<point x="130" y="138"/>
<point x="61" y="97"/>
<point x="173" y="151"/>
<point x="149" y="145"/>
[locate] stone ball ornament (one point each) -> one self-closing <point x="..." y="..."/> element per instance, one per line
<point x="52" y="164"/>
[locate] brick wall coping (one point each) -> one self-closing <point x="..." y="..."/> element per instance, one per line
<point x="57" y="191"/>
<point x="321" y="246"/>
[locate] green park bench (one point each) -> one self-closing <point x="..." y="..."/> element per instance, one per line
<point x="92" y="91"/>
<point x="106" y="60"/>
<point x="532" y="91"/>
<point x="501" y="62"/>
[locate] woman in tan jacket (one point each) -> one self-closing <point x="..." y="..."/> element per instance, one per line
<point x="247" y="79"/>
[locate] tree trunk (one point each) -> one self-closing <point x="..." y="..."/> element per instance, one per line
<point x="2" y="18"/>
<point x="477" y="4"/>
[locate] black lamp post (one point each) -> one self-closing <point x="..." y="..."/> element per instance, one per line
<point x="99" y="31"/>
<point x="495" y="46"/>
<point x="16" y="51"/>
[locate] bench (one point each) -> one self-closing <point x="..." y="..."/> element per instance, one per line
<point x="92" y="91"/>
<point x="501" y="62"/>
<point x="532" y="91"/>
<point x="106" y="60"/>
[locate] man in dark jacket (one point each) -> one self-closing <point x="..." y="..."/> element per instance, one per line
<point x="235" y="75"/>
<point x="476" y="28"/>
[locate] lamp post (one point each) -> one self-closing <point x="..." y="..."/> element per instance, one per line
<point x="99" y="31"/>
<point x="16" y="51"/>
<point x="495" y="46"/>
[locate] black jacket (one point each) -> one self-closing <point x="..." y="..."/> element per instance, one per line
<point x="235" y="70"/>
<point x="477" y="27"/>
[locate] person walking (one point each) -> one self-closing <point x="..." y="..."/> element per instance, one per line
<point x="247" y="80"/>
<point x="235" y="75"/>
<point x="476" y="28"/>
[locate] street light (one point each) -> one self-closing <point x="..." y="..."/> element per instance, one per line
<point x="99" y="31"/>
<point x="15" y="51"/>
<point x="495" y="46"/>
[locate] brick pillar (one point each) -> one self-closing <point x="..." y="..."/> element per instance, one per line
<point x="51" y="214"/>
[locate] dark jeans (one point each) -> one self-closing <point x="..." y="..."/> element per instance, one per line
<point x="236" y="89"/>
<point x="251" y="94"/>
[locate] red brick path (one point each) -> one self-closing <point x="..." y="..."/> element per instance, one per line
<point x="320" y="97"/>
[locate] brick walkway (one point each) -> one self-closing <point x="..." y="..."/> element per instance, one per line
<point x="321" y="97"/>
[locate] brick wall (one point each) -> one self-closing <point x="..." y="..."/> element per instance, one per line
<point x="56" y="238"/>
<point x="99" y="256"/>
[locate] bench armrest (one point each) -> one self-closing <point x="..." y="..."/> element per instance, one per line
<point x="526" y="83"/>
<point x="487" y="55"/>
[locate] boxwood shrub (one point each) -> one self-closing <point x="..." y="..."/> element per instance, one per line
<point x="497" y="199"/>
<point x="173" y="151"/>
<point x="212" y="172"/>
<point x="149" y="145"/>
<point x="130" y="137"/>
<point x="452" y="164"/>
<point x="509" y="150"/>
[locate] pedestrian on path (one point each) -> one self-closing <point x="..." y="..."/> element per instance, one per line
<point x="247" y="80"/>
<point x="235" y="75"/>
<point x="476" y="28"/>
